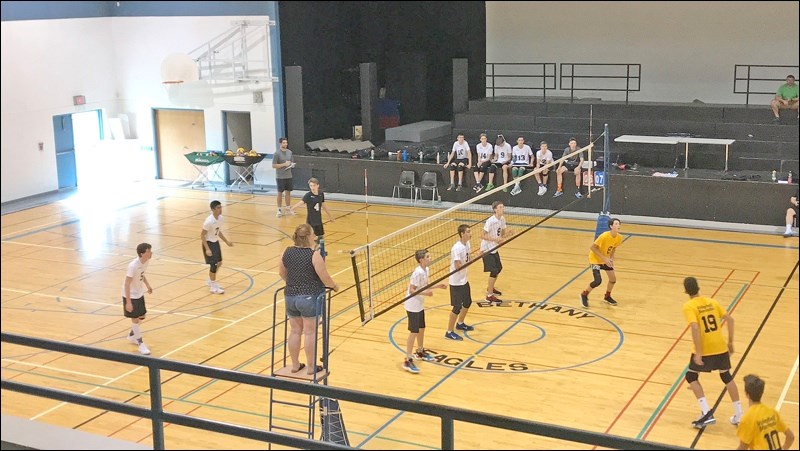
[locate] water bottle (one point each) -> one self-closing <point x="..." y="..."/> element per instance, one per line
<point x="790" y="177"/>
<point x="438" y="155"/>
<point x="420" y="156"/>
<point x="405" y="155"/>
<point x="372" y="157"/>
<point x="774" y="176"/>
<point x="397" y="154"/>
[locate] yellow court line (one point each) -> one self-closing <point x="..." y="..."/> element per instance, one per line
<point x="36" y="365"/>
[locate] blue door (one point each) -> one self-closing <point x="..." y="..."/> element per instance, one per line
<point x="65" y="151"/>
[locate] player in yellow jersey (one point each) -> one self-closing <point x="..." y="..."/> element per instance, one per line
<point x="711" y="352"/>
<point x="760" y="425"/>
<point x="601" y="256"/>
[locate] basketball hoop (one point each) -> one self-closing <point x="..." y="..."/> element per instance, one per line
<point x="178" y="68"/>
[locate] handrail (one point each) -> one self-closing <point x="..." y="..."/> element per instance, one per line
<point x="447" y="414"/>
<point x="633" y="72"/>
<point x="545" y="77"/>
<point x="748" y="78"/>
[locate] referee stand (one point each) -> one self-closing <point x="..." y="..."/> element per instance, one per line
<point x="295" y="412"/>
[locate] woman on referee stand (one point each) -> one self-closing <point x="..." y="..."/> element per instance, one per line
<point x="306" y="276"/>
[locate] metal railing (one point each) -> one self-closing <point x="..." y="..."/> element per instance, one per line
<point x="518" y="76"/>
<point x="756" y="83"/>
<point x="631" y="74"/>
<point x="156" y="414"/>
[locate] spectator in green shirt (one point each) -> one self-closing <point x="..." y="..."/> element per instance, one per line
<point x="786" y="97"/>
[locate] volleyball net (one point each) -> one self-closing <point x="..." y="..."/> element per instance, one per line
<point x="383" y="267"/>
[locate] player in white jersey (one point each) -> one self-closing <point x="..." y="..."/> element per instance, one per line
<point x="133" y="305"/>
<point x="459" y="159"/>
<point x="460" y="293"/>
<point x="415" y="310"/>
<point x="485" y="164"/>
<point x="521" y="156"/>
<point x="502" y="152"/>
<point x="543" y="157"/>
<point x="495" y="233"/>
<point x="210" y="236"/>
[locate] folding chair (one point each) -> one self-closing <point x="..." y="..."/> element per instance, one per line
<point x="430" y="182"/>
<point x="408" y="181"/>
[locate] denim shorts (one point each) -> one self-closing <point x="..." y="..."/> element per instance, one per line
<point x="305" y="305"/>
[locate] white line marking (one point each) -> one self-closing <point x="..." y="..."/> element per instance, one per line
<point x="61" y="370"/>
<point x="788" y="384"/>
<point x="54" y="408"/>
<point x="107" y="304"/>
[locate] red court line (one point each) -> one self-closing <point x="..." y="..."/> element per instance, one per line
<point x="678" y="389"/>
<point x="663" y="359"/>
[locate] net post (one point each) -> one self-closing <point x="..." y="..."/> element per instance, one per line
<point x="606" y="171"/>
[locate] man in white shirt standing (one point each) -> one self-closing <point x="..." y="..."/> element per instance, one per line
<point x="133" y="294"/>
<point x="415" y="310"/>
<point x="460" y="293"/>
<point x="495" y="233"/>
<point x="210" y="236"/>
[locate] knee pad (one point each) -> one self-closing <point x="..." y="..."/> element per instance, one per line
<point x="515" y="172"/>
<point x="460" y="168"/>
<point x="597" y="279"/>
<point x="467" y="303"/>
<point x="453" y="166"/>
<point x="456" y="309"/>
<point x="491" y="169"/>
<point x="213" y="268"/>
<point x="691" y="376"/>
<point x="725" y="376"/>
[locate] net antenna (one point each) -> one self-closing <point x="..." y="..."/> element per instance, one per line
<point x="382" y="268"/>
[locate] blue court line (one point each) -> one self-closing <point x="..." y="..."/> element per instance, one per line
<point x="469" y="359"/>
<point x="680" y="377"/>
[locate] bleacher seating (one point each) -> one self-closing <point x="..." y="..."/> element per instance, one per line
<point x="760" y="145"/>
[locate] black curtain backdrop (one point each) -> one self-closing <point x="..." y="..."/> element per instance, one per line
<point x="413" y="44"/>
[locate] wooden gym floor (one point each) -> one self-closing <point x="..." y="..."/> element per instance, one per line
<point x="539" y="356"/>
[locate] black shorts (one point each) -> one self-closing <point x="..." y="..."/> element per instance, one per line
<point x="486" y="166"/>
<point x="721" y="362"/>
<point x="139" y="309"/>
<point x="460" y="295"/>
<point x="604" y="267"/>
<point x="491" y="263"/>
<point x="216" y="253"/>
<point x="318" y="229"/>
<point x="416" y="321"/>
<point x="284" y="185"/>
<point x="571" y="165"/>
<point x="457" y="162"/>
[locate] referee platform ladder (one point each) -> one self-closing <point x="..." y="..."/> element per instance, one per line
<point x="295" y="413"/>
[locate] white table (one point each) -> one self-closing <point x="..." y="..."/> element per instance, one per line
<point x="722" y="142"/>
<point x="677" y="140"/>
